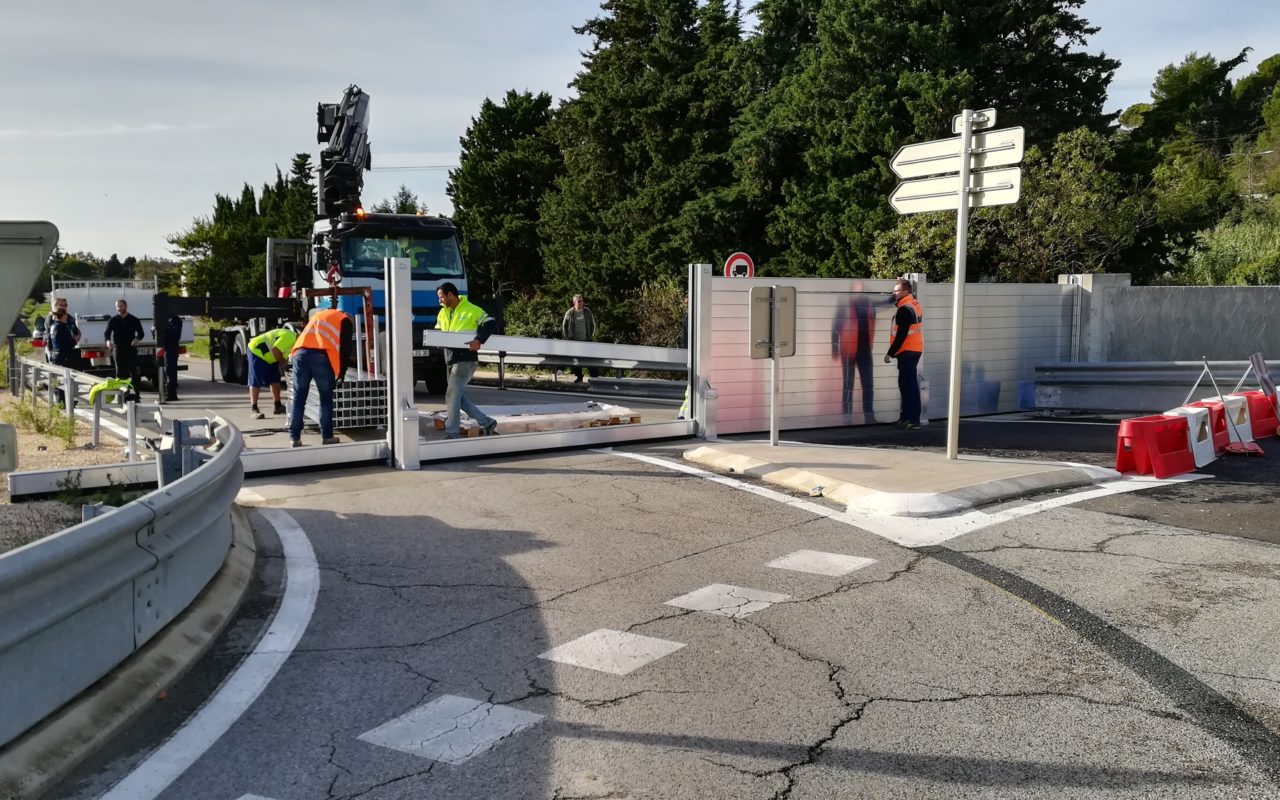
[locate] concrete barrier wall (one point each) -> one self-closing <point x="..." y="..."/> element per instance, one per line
<point x="1009" y="329"/>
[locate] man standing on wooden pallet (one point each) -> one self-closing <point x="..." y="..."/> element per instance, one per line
<point x="459" y="314"/>
<point x="907" y="346"/>
<point x="320" y="355"/>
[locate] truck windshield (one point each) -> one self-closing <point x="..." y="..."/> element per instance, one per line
<point x="432" y="259"/>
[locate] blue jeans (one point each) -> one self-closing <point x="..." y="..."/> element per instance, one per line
<point x="309" y="366"/>
<point x="909" y="386"/>
<point x="456" y="399"/>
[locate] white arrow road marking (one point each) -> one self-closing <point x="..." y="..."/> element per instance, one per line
<point x="242" y="687"/>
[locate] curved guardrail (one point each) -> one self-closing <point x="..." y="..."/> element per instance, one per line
<point x="76" y="604"/>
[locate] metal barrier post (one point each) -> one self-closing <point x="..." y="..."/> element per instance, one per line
<point x="402" y="415"/>
<point x="97" y="417"/>
<point x="14" y="364"/>
<point x="131" y="414"/>
<point x="68" y="390"/>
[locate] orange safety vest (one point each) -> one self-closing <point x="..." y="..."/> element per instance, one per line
<point x="914" y="343"/>
<point x="324" y="332"/>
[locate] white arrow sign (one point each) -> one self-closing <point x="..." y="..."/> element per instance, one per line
<point x="989" y="149"/>
<point x="998" y="187"/>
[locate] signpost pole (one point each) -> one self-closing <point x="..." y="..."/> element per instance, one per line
<point x="773" y="367"/>
<point x="957" y="306"/>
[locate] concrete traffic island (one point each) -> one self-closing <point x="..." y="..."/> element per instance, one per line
<point x="898" y="483"/>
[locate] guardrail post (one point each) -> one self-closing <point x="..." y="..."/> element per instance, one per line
<point x="68" y="390"/>
<point x="131" y="414"/>
<point x="14" y="365"/>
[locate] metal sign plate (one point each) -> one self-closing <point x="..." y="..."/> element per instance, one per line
<point x="761" y="328"/>
<point x="989" y="149"/>
<point x="981" y="120"/>
<point x="996" y="187"/>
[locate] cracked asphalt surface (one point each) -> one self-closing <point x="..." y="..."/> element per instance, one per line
<point x="1075" y="653"/>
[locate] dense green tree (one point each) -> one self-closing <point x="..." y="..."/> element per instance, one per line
<point x="402" y="202"/>
<point x="634" y="153"/>
<point x="883" y="73"/>
<point x="225" y="252"/>
<point x="1076" y="214"/>
<point x="508" y="163"/>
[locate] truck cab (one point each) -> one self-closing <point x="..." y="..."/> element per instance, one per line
<point x="429" y="242"/>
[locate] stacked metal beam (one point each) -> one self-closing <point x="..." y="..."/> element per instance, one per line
<point x="356" y="404"/>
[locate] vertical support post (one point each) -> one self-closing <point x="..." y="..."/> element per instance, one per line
<point x="131" y="416"/>
<point x="698" y="339"/>
<point x="502" y="369"/>
<point x="14" y="365"/>
<point x="402" y="415"/>
<point x="68" y="390"/>
<point x="773" y="366"/>
<point x="97" y="418"/>
<point x="359" y="319"/>
<point x="957" y="304"/>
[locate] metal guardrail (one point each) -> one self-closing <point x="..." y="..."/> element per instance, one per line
<point x="1128" y="386"/>
<point x="76" y="604"/>
<point x="30" y="373"/>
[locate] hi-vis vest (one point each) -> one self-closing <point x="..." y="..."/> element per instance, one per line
<point x="281" y="339"/>
<point x="466" y="316"/>
<point x="914" y="343"/>
<point x="324" y="332"/>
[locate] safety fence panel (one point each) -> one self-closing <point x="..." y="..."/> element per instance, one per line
<point x="77" y="603"/>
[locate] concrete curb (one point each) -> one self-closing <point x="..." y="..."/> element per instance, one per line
<point x="46" y="754"/>
<point x="1050" y="476"/>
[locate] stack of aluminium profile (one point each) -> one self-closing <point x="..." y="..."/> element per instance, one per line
<point x="360" y="401"/>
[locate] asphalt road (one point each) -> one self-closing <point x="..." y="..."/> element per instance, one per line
<point x="1072" y="653"/>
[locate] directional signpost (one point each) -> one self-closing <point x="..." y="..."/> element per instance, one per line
<point x="958" y="174"/>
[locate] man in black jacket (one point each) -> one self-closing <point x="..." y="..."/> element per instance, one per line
<point x="124" y="331"/>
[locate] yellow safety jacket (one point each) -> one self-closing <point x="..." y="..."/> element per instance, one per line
<point x="281" y="339"/>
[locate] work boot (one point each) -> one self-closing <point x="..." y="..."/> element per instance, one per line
<point x="295" y="443"/>
<point x="491" y="429"/>
<point x="255" y="413"/>
<point x="329" y="440"/>
<point x="279" y="409"/>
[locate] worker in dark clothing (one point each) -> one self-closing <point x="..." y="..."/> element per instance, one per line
<point x="170" y="341"/>
<point x="907" y="346"/>
<point x="124" y="331"/>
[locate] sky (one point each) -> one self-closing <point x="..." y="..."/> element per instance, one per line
<point x="120" y="126"/>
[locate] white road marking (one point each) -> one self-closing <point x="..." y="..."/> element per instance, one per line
<point x="918" y="531"/>
<point x="450" y="728"/>
<point x="816" y="562"/>
<point x="242" y="687"/>
<point x="253" y="797"/>
<point x="727" y="601"/>
<point x="614" y="652"/>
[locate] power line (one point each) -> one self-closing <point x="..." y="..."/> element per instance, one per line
<point x="416" y="168"/>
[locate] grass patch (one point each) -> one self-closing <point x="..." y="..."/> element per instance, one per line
<point x="45" y="420"/>
<point x="199" y="348"/>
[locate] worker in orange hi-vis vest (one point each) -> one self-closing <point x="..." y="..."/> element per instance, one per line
<point x="852" y="334"/>
<point x="319" y="356"/>
<point x="907" y="346"/>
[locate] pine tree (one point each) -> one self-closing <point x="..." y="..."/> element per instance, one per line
<point x="509" y="161"/>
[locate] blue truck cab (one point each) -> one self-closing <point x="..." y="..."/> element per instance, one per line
<point x="430" y="243"/>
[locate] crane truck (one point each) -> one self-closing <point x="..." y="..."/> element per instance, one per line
<point x="348" y="248"/>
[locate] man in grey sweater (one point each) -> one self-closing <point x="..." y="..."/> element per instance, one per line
<point x="579" y="325"/>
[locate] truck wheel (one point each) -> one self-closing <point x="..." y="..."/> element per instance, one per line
<point x="226" y="361"/>
<point x="240" y="361"/>
<point x="437" y="379"/>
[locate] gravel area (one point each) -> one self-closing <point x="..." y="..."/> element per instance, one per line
<point x="24" y="522"/>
